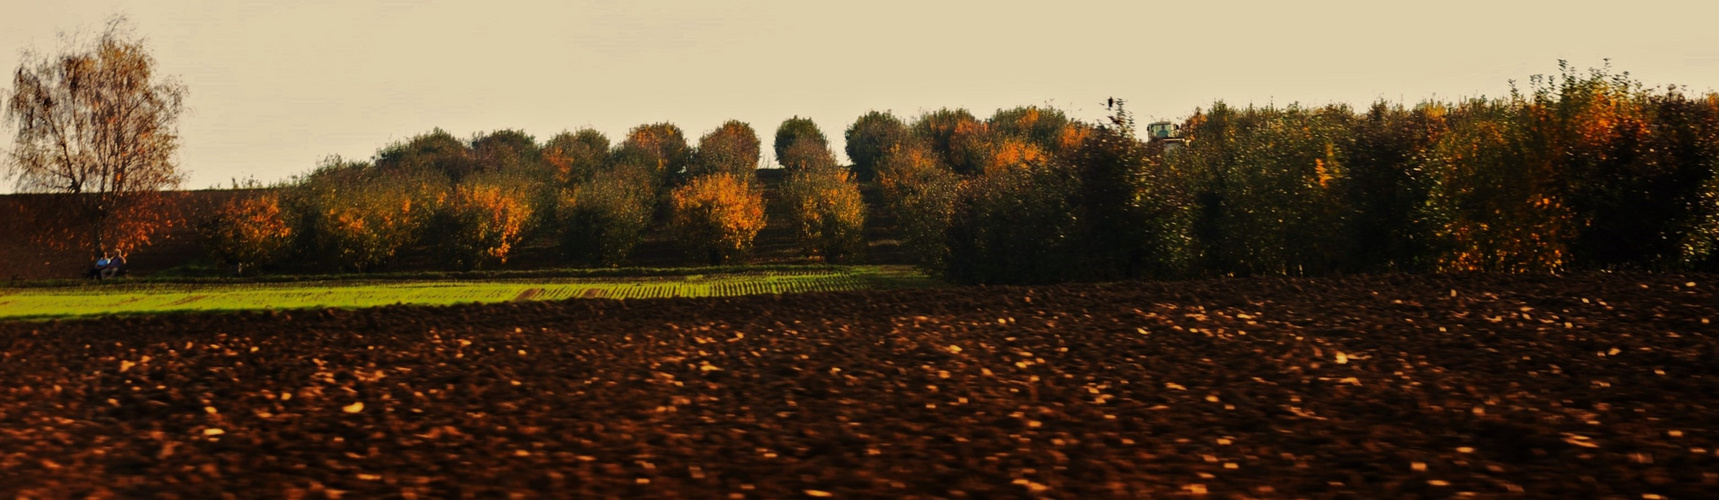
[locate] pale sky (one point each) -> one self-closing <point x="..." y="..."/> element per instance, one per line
<point x="275" y="86"/>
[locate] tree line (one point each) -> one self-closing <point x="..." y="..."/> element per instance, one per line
<point x="475" y="201"/>
<point x="1577" y="170"/>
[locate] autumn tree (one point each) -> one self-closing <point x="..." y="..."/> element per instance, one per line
<point x="794" y="130"/>
<point x="716" y="217"/>
<point x="869" y="138"/>
<point x="509" y="151"/>
<point x="807" y="154"/>
<point x="354" y="216"/>
<point x="920" y="192"/>
<point x="660" y="148"/>
<point x="954" y="134"/>
<point x="1042" y="127"/>
<point x="575" y="156"/>
<point x="246" y="231"/>
<point x="1134" y="210"/>
<point x="731" y="148"/>
<point x="1269" y="182"/>
<point x="1493" y="204"/>
<point x="599" y="221"/>
<point x="97" y="126"/>
<point x="823" y="206"/>
<point x="482" y="219"/>
<point x="436" y="151"/>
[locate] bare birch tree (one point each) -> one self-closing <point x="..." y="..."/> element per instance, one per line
<point x="97" y="128"/>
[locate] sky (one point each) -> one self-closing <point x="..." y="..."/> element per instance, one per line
<point x="274" y="87"/>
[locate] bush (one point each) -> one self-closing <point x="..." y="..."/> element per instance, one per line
<point x="601" y="220"/>
<point x="824" y="207"/>
<point x="481" y="221"/>
<point x="576" y="156"/>
<point x="870" y="138"/>
<point x="731" y="148"/>
<point x="246" y="231"/>
<point x="1492" y="204"/>
<point x="1385" y="188"/>
<point x="1639" y="164"/>
<point x="716" y="217"/>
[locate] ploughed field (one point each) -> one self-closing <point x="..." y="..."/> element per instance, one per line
<point x="1591" y="385"/>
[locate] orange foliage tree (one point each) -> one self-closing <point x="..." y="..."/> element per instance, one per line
<point x="482" y="220"/>
<point x="955" y="135"/>
<point x="717" y="216"/>
<point x="246" y="231"/>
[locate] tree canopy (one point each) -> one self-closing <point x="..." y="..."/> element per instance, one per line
<point x="95" y="123"/>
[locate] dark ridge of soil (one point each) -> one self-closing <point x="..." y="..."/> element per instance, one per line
<point x="1583" y="386"/>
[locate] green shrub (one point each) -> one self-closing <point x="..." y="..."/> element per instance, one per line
<point x="1013" y="225"/>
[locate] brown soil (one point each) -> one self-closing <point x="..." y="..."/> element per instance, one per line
<point x="1597" y="385"/>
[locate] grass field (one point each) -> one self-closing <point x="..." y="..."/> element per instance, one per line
<point x="68" y="300"/>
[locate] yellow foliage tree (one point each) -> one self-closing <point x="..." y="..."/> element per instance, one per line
<point x="717" y="216"/>
<point x="481" y="222"/>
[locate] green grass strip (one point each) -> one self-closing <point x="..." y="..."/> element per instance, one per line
<point x="84" y="300"/>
